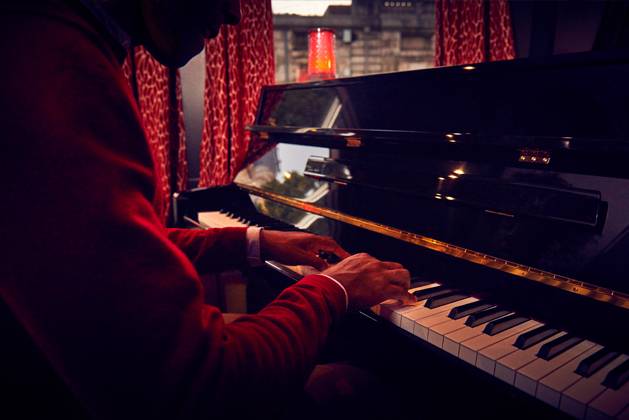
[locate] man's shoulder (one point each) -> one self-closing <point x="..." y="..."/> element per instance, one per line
<point x="53" y="44"/>
<point x="54" y="21"/>
<point x="61" y="85"/>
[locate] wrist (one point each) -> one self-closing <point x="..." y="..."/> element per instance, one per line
<point x="342" y="288"/>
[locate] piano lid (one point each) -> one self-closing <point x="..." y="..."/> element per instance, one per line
<point x="519" y="166"/>
<point x="564" y="113"/>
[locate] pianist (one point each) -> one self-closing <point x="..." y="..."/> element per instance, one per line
<point x="109" y="296"/>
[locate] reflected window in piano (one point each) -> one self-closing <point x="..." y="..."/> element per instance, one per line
<point x="281" y="171"/>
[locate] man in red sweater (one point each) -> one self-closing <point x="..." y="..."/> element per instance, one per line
<point x="110" y="296"/>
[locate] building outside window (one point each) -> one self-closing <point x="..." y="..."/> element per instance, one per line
<point x="372" y="36"/>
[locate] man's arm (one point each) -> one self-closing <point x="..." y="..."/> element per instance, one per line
<point x="212" y="250"/>
<point x="91" y="274"/>
<point x="217" y="249"/>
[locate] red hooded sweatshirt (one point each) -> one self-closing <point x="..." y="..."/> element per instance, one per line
<point x="110" y="296"/>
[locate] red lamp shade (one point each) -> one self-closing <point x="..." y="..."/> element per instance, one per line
<point x="321" y="60"/>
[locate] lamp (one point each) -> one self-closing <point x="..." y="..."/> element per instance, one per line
<point x="321" y="60"/>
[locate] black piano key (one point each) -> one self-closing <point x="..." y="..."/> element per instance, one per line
<point x="487" y="315"/>
<point x="596" y="361"/>
<point x="557" y="346"/>
<point x="433" y="291"/>
<point x="469" y="308"/>
<point x="530" y="338"/>
<point x="502" y="324"/>
<point x="437" y="301"/>
<point x="617" y="376"/>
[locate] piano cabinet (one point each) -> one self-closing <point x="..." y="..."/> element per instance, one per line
<point x="503" y="190"/>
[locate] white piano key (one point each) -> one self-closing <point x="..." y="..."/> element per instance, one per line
<point x="469" y="348"/>
<point x="527" y="377"/>
<point x="575" y="399"/>
<point x="221" y="218"/>
<point x="550" y="387"/>
<point x="609" y="404"/>
<point x="232" y="221"/>
<point x="393" y="310"/>
<point x="218" y="219"/>
<point x="452" y="341"/>
<point x="486" y="358"/>
<point x="509" y="364"/>
<point x="209" y="218"/>
<point x="437" y="332"/>
<point x="408" y="318"/>
<point x="436" y="316"/>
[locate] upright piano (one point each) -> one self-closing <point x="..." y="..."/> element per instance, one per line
<point x="503" y="187"/>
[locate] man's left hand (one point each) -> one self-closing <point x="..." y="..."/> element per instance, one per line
<point x="298" y="248"/>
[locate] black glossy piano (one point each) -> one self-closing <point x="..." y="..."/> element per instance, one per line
<point x="503" y="187"/>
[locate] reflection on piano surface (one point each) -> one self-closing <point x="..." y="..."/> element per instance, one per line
<point x="504" y="189"/>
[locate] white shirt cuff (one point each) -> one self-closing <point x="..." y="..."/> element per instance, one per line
<point x="253" y="246"/>
<point x="341" y="286"/>
<point x="254" y="260"/>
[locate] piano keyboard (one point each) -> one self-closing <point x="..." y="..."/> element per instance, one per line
<point x="229" y="218"/>
<point x="218" y="219"/>
<point x="575" y="375"/>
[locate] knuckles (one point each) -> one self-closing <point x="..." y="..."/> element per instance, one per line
<point x="363" y="255"/>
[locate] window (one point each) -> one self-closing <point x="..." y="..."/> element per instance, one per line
<point x="371" y="36"/>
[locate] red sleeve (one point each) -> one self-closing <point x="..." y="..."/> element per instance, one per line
<point x="212" y="250"/>
<point x="89" y="271"/>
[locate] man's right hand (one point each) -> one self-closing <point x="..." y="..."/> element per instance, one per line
<point x="369" y="281"/>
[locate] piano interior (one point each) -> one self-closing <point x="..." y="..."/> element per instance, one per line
<point x="503" y="187"/>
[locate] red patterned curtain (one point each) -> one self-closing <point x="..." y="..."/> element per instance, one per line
<point x="238" y="62"/>
<point x="472" y="31"/>
<point x="158" y="91"/>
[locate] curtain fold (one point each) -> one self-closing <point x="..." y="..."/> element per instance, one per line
<point x="157" y="89"/>
<point x="472" y="31"/>
<point x="239" y="61"/>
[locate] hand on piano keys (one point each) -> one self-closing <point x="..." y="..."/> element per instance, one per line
<point x="299" y="248"/>
<point x="369" y="281"/>
<point x="291" y="248"/>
